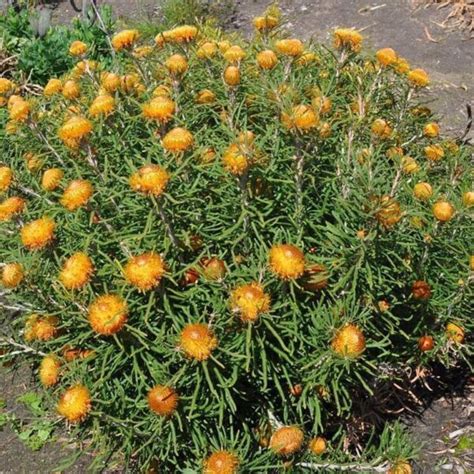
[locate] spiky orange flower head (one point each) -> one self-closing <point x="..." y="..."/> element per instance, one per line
<point x="41" y="328"/>
<point x="176" y="64"/>
<point x="250" y="301"/>
<point x="348" y="38"/>
<point x="205" y="96"/>
<point x="11" y="206"/>
<point x="20" y="110"/>
<point x="49" y="370"/>
<point x="235" y="161"/>
<point x="198" y="341"/>
<point x="418" y="78"/>
<point x="110" y="81"/>
<point x="287" y="440"/>
<point x="54" y="86"/>
<point x="289" y="47"/>
<point x="12" y="275"/>
<point x="431" y="130"/>
<point x="108" y="314"/>
<point x="178" y="140"/>
<point x="315" y="277"/>
<point x="443" y="211"/>
<point x="318" y="445"/>
<point x="455" y="332"/>
<point x="160" y="108"/>
<point x="234" y="54"/>
<point x="75" y="403"/>
<point x="103" y="104"/>
<point x="409" y="165"/>
<point x="6" y="86"/>
<point x="381" y="128"/>
<point x="422" y="191"/>
<point x="425" y="343"/>
<point x="78" y="48"/>
<point x="184" y="33"/>
<point x="301" y="117"/>
<point x="232" y="76"/>
<point x="321" y="104"/>
<point x="265" y="23"/>
<point x="71" y="90"/>
<point x="51" y="179"/>
<point x="145" y="271"/>
<point x="38" y="233"/>
<point x="400" y="467"/>
<point x="221" y="462"/>
<point x="207" y="50"/>
<point x="125" y="39"/>
<point x="434" y="152"/>
<point x="6" y="177"/>
<point x="386" y="56"/>
<point x="163" y="400"/>
<point x="150" y="179"/>
<point x="468" y="198"/>
<point x="75" y="128"/>
<point x="162" y="90"/>
<point x="267" y="59"/>
<point x="349" y="341"/>
<point x="77" y="194"/>
<point x="76" y="271"/>
<point x="389" y="212"/>
<point x="286" y="261"/>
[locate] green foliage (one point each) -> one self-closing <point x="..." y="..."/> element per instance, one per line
<point x="322" y="179"/>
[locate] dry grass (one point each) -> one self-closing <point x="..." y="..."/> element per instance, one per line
<point x="461" y="14"/>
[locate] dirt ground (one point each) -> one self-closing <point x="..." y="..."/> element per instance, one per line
<point x="418" y="35"/>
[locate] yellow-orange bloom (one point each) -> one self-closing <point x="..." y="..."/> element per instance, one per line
<point x="6" y="177"/>
<point x="267" y="59"/>
<point x="348" y="38"/>
<point x="468" y="198"/>
<point x="381" y="128"/>
<point x="400" y="467"/>
<point x="51" y="179"/>
<point x="176" y="64"/>
<point x="20" y="110"/>
<point x="182" y="34"/>
<point x="77" y="194"/>
<point x="150" y="179"/>
<point x="160" y="108"/>
<point x="78" y="48"/>
<point x="250" y="301"/>
<point x="389" y="212"/>
<point x="455" y="332"/>
<point x="71" y="90"/>
<point x="38" y="233"/>
<point x="178" y="140"/>
<point x="54" y="86"/>
<point x="422" y="191"/>
<point x="6" y="86"/>
<point x="75" y="403"/>
<point x="418" y="78"/>
<point x="108" y="314"/>
<point x="205" y="96"/>
<point x="10" y="206"/>
<point x="322" y="104"/>
<point x="431" y="130"/>
<point x="102" y="105"/>
<point x="235" y="161"/>
<point x="234" y="54"/>
<point x="76" y="271"/>
<point x="402" y="66"/>
<point x="409" y="165"/>
<point x="232" y="76"/>
<point x="145" y="271"/>
<point x="287" y="440"/>
<point x="163" y="400"/>
<point x="125" y="39"/>
<point x="142" y="51"/>
<point x="317" y="445"/>
<point x="198" y="341"/>
<point x="110" y="81"/>
<point x="289" y="47"/>
<point x="12" y="275"/>
<point x="434" y="152"/>
<point x="443" y="211"/>
<point x="41" y="328"/>
<point x="49" y="370"/>
<point x="265" y="23"/>
<point x="286" y="261"/>
<point x="207" y="50"/>
<point x="307" y="57"/>
<point x="75" y="129"/>
<point x="301" y="117"/>
<point x="349" y="341"/>
<point x="221" y="462"/>
<point x="386" y="56"/>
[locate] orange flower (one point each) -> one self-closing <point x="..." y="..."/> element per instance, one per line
<point x="409" y="165"/>
<point x="145" y="271"/>
<point x="75" y="128"/>
<point x="176" y="64"/>
<point x="41" y="328"/>
<point x="150" y="179"/>
<point x="76" y="271"/>
<point x="421" y="290"/>
<point x="221" y="462"/>
<point x="184" y="33"/>
<point x="54" y="86"/>
<point x="125" y="39"/>
<point x="38" y="233"/>
<point x="19" y="111"/>
<point x="51" y="179"/>
<point x="455" y="332"/>
<point x="386" y="56"/>
<point x="348" y="38"/>
<point x="287" y="440"/>
<point x="418" y="78"/>
<point x="162" y="91"/>
<point x="49" y="370"/>
<point x="232" y="76"/>
<point x="431" y="130"/>
<point x="434" y="152"/>
<point x="205" y="96"/>
<point x="289" y="47"/>
<point x="110" y="81"/>
<point x="287" y="261"/>
<point x="12" y="275"/>
<point x="381" y="128"/>
<point x="443" y="211"/>
<point x="163" y="400"/>
<point x="71" y="90"/>
<point x="102" y="105"/>
<point x="422" y="191"/>
<point x="267" y="59"/>
<point x="322" y="104"/>
<point x="265" y="23"/>
<point x="317" y="445"/>
<point x="178" y="140"/>
<point x="108" y="314"/>
<point x="75" y="403"/>
<point x="160" y="108"/>
<point x="6" y="177"/>
<point x="10" y="206"/>
<point x="349" y="341"/>
<point x="197" y="341"/>
<point x="78" y="48"/>
<point x="77" y="194"/>
<point x="389" y="212"/>
<point x="207" y="50"/>
<point x="302" y="117"/>
<point x="425" y="343"/>
<point x="6" y="86"/>
<point x="235" y="161"/>
<point x="468" y="198"/>
<point x="234" y="54"/>
<point x="250" y="301"/>
<point x="142" y="51"/>
<point x="213" y="269"/>
<point x="402" y="66"/>
<point x="400" y="467"/>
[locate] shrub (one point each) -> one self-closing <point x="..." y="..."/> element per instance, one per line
<point x="227" y="252"/>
